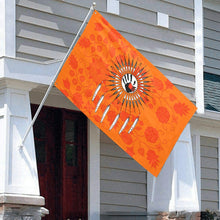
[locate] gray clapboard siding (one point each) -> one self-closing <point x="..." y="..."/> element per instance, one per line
<point x="123" y="181"/>
<point x="123" y="175"/>
<point x="117" y="209"/>
<point x="185" y="3"/>
<point x="38" y="48"/>
<point x="41" y="34"/>
<point x="45" y="29"/>
<point x="121" y="199"/>
<point x="47" y="20"/>
<point x="211" y="41"/>
<point x="209" y="173"/>
<point x="162" y="6"/>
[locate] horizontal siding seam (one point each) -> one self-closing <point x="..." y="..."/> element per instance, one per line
<point x="123" y="193"/>
<point x="43" y="42"/>
<point x="167" y="55"/>
<point x="180" y="5"/>
<point x="49" y="12"/>
<point x="118" y="169"/>
<point x="209" y="157"/>
<point x="209" y="19"/>
<point x="213" y="58"/>
<point x="122" y="181"/>
<point x="43" y="57"/>
<point x="46" y="27"/>
<point x="115" y="156"/>
<point x="160" y="40"/>
<point x="133" y="170"/>
<point x="210" y="29"/>
<point x="103" y="203"/>
<point x="210" y="190"/>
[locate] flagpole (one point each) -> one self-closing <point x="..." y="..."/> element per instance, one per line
<point x="55" y="76"/>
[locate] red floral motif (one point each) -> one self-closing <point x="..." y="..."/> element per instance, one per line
<point x="84" y="42"/>
<point x="181" y="109"/>
<point x="92" y="49"/>
<point x="72" y="73"/>
<point x="88" y="93"/>
<point x="157" y="83"/>
<point x="151" y="134"/>
<point x="126" y="138"/>
<point x="114" y="35"/>
<point x="97" y="66"/>
<point x="163" y="115"/>
<point x="74" y="81"/>
<point x="141" y="151"/>
<point x="92" y="37"/>
<point x="66" y="93"/>
<point x="111" y="116"/>
<point x="98" y="27"/>
<point x="169" y="85"/>
<point x="105" y="21"/>
<point x="99" y="38"/>
<point x="112" y="51"/>
<point x="78" y="88"/>
<point x="172" y="97"/>
<point x="105" y="40"/>
<point x="150" y="106"/>
<point x="66" y="83"/>
<point x="99" y="48"/>
<point x="77" y="98"/>
<point x="153" y="158"/>
<point x="130" y="151"/>
<point x="97" y="118"/>
<point x="82" y="78"/>
<point x="73" y="62"/>
<point x="124" y="115"/>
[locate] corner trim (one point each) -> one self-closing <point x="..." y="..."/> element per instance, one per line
<point x="199" y="56"/>
<point x="93" y="172"/>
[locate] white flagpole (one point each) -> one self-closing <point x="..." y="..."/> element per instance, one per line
<point x="55" y="77"/>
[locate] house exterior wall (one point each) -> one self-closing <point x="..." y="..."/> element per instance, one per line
<point x="209" y="173"/>
<point x="123" y="181"/>
<point x="45" y="29"/>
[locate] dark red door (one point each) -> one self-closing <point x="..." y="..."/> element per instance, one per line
<point x="61" y="150"/>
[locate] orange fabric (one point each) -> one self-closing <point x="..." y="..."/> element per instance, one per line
<point x="127" y="97"/>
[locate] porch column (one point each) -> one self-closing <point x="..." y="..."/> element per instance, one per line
<point x="175" y="189"/>
<point x="19" y="187"/>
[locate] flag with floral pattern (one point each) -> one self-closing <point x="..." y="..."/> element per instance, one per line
<point x="124" y="94"/>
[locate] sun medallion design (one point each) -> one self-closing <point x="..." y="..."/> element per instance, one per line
<point x="129" y="83"/>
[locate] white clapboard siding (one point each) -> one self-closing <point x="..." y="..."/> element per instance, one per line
<point x="211" y="41"/>
<point x="45" y="29"/>
<point x="123" y="181"/>
<point x="209" y="173"/>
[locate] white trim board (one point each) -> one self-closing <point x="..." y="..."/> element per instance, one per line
<point x="7" y="28"/>
<point x="93" y="172"/>
<point x="199" y="56"/>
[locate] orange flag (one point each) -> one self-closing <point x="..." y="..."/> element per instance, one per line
<point x="127" y="97"/>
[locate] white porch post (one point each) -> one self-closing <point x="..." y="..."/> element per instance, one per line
<point x="19" y="180"/>
<point x="94" y="172"/>
<point x="175" y="188"/>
